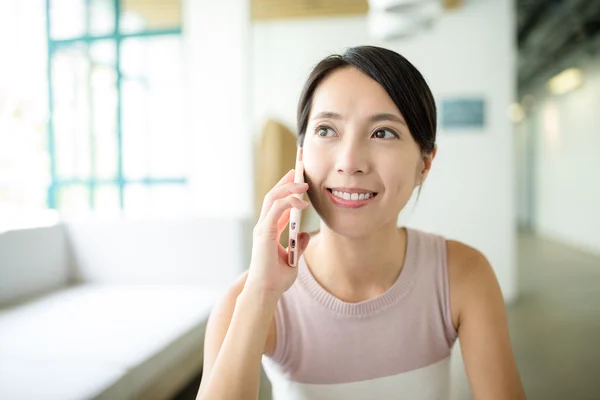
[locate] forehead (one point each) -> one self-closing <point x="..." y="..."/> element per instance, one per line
<point x="350" y="90"/>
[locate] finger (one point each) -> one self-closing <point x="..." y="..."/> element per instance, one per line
<point x="269" y="224"/>
<point x="283" y="221"/>
<point x="279" y="193"/>
<point x="289" y="177"/>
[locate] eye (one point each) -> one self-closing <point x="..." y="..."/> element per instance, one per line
<point x="385" y="134"/>
<point x="325" y="131"/>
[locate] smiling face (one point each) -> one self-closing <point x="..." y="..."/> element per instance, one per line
<point x="361" y="161"/>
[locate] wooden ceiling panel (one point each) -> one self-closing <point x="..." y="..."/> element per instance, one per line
<point x="284" y="9"/>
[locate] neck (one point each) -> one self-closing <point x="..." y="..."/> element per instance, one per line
<point x="359" y="268"/>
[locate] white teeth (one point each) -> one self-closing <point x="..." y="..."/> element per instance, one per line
<point x="352" y="196"/>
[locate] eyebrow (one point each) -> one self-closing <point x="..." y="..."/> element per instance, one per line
<point x="374" y="118"/>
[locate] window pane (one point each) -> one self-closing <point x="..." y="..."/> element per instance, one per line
<point x="67" y="18"/>
<point x="102" y="17"/>
<point x="73" y="198"/>
<point x="106" y="198"/>
<point x="104" y="52"/>
<point x="103" y="82"/>
<point x="153" y="137"/>
<point x="70" y="75"/>
<point x="141" y="15"/>
<point x="135" y="120"/>
<point x="85" y="106"/>
<point x="136" y="198"/>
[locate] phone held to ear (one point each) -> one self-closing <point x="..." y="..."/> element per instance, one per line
<point x="295" y="214"/>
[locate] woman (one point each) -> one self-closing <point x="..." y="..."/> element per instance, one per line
<point x="372" y="311"/>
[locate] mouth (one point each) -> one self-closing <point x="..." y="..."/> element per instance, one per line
<point x="350" y="198"/>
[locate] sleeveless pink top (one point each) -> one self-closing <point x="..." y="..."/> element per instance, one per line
<point x="394" y="346"/>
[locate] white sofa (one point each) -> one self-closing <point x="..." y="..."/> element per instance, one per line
<point x="111" y="309"/>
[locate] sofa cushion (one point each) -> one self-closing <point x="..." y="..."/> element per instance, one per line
<point x="104" y="341"/>
<point x="159" y="250"/>
<point x="33" y="261"/>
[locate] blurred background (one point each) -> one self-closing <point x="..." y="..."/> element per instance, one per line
<point x="138" y="137"/>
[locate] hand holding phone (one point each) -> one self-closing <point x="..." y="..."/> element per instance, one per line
<point x="272" y="267"/>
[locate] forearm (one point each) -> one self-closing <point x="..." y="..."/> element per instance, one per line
<point x="236" y="372"/>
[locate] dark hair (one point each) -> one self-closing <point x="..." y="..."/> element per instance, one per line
<point x="400" y="79"/>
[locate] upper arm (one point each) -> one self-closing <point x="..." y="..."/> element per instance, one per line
<point x="218" y="324"/>
<point x="479" y="313"/>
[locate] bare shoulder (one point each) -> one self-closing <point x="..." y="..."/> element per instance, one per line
<point x="220" y="319"/>
<point x="465" y="260"/>
<point x="479" y="314"/>
<point x="470" y="276"/>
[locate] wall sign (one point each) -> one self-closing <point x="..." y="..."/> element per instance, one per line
<point x="459" y="113"/>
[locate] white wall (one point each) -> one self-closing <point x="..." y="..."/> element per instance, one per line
<point x="567" y="163"/>
<point x="216" y="35"/>
<point x="469" y="194"/>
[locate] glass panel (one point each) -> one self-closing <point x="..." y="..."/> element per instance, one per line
<point x="70" y="74"/>
<point x="73" y="198"/>
<point x="85" y="105"/>
<point x="154" y="140"/>
<point x="67" y="18"/>
<point x="104" y="120"/>
<point x="141" y="15"/>
<point x="106" y="198"/>
<point x="136" y="121"/>
<point x="103" y="80"/>
<point x="102" y="17"/>
<point x="136" y="198"/>
<point x="104" y="52"/>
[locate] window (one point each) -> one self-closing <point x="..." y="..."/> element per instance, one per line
<point x="113" y="137"/>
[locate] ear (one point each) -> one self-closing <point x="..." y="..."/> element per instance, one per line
<point x="427" y="160"/>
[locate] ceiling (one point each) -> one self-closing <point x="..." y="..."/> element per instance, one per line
<point x="553" y="35"/>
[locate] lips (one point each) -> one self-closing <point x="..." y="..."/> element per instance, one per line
<point x="351" y="197"/>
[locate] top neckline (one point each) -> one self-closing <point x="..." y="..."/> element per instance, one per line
<point x="363" y="308"/>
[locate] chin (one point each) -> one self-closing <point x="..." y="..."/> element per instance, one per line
<point x="353" y="227"/>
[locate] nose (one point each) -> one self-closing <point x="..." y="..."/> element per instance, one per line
<point x="352" y="158"/>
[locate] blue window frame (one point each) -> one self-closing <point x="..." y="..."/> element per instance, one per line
<point x="114" y="95"/>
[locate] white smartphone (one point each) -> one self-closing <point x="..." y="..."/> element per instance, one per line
<point x="295" y="214"/>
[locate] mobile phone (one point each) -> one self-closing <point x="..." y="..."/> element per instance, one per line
<point x="295" y="214"/>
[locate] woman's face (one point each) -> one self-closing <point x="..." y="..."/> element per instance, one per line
<point x="357" y="143"/>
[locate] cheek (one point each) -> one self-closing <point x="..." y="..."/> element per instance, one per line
<point x="402" y="178"/>
<point x="315" y="165"/>
<point x="312" y="174"/>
